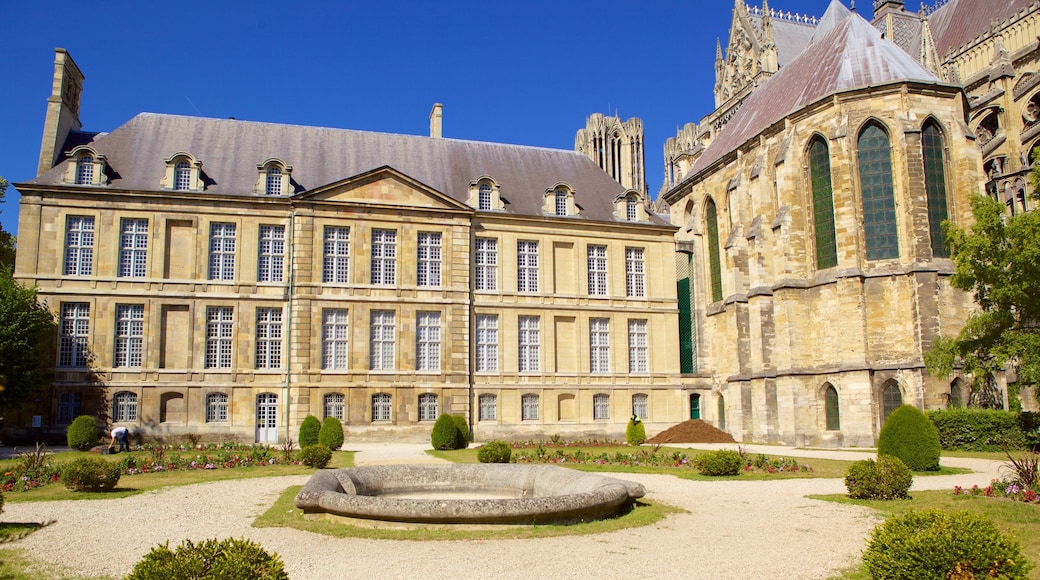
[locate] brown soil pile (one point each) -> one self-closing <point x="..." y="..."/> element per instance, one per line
<point x="692" y="431"/>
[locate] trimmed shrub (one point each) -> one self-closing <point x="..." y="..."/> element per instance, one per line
<point x="331" y="433"/>
<point x="978" y="429"/>
<point x="494" y="452"/>
<point x="309" y="430"/>
<point x="230" y="558"/>
<point x="463" y="426"/>
<point x="910" y="436"/>
<point x="82" y="433"/>
<point x="720" y="463"/>
<point x="936" y="544"/>
<point x="635" y="433"/>
<point x="445" y="434"/>
<point x="90" y="474"/>
<point x="886" y="478"/>
<point x="317" y="456"/>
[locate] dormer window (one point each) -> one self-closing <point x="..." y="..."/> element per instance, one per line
<point x="86" y="167"/>
<point x="182" y="176"/>
<point x="629" y="207"/>
<point x="631" y="212"/>
<point x="484" y="194"/>
<point x="183" y="173"/>
<point x="274" y="181"/>
<point x="561" y="202"/>
<point x="273" y="178"/>
<point x="484" y="197"/>
<point x="85" y="170"/>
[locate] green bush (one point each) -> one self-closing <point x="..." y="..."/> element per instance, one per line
<point x="494" y="452"/>
<point x="936" y="544"/>
<point x="82" y="433"/>
<point x="978" y="429"/>
<point x="317" y="456"/>
<point x="463" y="426"/>
<point x="309" y="430"/>
<point x="331" y="433"/>
<point x="210" y="559"/>
<point x="886" y="478"/>
<point x="720" y="463"/>
<point x="445" y="434"/>
<point x="910" y="436"/>
<point x="90" y="474"/>
<point x="635" y="433"/>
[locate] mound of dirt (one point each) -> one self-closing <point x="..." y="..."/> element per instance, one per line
<point x="692" y="431"/>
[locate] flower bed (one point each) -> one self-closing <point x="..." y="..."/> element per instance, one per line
<point x="650" y="457"/>
<point x="1003" y="489"/>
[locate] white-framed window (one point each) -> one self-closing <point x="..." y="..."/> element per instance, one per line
<point x="85" y="170"/>
<point x="487" y="343"/>
<point x="74" y="329"/>
<point x="381" y="407"/>
<point x="427" y="407"/>
<point x="597" y="270"/>
<point x="599" y="345"/>
<point x="70" y="405"/>
<point x="79" y="245"/>
<point x="270" y="265"/>
<point x="273" y="181"/>
<point x="527" y="266"/>
<point x="221" y="251"/>
<point x="601" y="407"/>
<point x="219" y="334"/>
<point x="182" y="176"/>
<point x="216" y="408"/>
<point x="335" y="332"/>
<point x="561" y="202"/>
<point x="268" y="338"/>
<point x="530" y="346"/>
<point x="635" y="284"/>
<point x="336" y="255"/>
<point x="384" y="256"/>
<point x="428" y="341"/>
<point x="381" y="342"/>
<point x="529" y="407"/>
<point x="640" y="406"/>
<point x="335" y="406"/>
<point x="429" y="259"/>
<point x="637" y="347"/>
<point x="487" y="407"/>
<point x="133" y="248"/>
<point x="631" y="209"/>
<point x="124" y="407"/>
<point x="485" y="274"/>
<point x="484" y="197"/>
<point x="129" y="335"/>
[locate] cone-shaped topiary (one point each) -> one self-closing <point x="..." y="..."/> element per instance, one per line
<point x="309" y="431"/>
<point x="910" y="436"/>
<point x="445" y="434"/>
<point x="331" y="433"/>
<point x="635" y="433"/>
<point x="463" y="426"/>
<point x="82" y="433"/>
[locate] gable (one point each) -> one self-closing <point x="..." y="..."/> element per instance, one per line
<point x="383" y="187"/>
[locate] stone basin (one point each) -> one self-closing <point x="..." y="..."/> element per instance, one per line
<point x="493" y="493"/>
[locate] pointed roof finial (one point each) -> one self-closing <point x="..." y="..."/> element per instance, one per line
<point x="718" y="49"/>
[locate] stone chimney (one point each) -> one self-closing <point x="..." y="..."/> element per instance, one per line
<point x="62" y="109"/>
<point x="435" y="120"/>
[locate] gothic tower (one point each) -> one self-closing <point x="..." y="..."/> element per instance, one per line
<point x="616" y="146"/>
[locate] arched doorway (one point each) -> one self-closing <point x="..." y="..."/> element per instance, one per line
<point x="891" y="399"/>
<point x="695" y="406"/>
<point x="267" y="418"/>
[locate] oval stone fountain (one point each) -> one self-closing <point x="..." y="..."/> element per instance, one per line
<point x="460" y="493"/>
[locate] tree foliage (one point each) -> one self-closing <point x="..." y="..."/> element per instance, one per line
<point x="7" y="241"/>
<point x="26" y="335"/>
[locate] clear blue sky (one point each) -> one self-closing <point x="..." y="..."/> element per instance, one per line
<point x="526" y="73"/>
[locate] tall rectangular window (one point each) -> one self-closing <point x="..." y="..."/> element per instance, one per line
<point x="221" y="251"/>
<point x="335" y="255"/>
<point x="487" y="405"/>
<point x="529" y="344"/>
<point x="597" y="270"/>
<point x="529" y="407"/>
<point x="79" y="245"/>
<point x="637" y="346"/>
<point x="270" y="265"/>
<point x="384" y="256"/>
<point x="599" y="345"/>
<point x="641" y="406"/>
<point x="334" y="339"/>
<point x="428" y="341"/>
<point x="129" y="335"/>
<point x="484" y="197"/>
<point x="429" y="259"/>
<point x="382" y="405"/>
<point x="631" y="213"/>
<point x="527" y="266"/>
<point x="268" y="338"/>
<point x="133" y="248"/>
<point x="219" y="334"/>
<point x="635" y="283"/>
<point x="74" y="330"/>
<point x="601" y="407"/>
<point x="485" y="273"/>
<point x="381" y="342"/>
<point x="427" y="407"/>
<point x="487" y="343"/>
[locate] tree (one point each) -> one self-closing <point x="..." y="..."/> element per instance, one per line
<point x="26" y="335"/>
<point x="7" y="241"/>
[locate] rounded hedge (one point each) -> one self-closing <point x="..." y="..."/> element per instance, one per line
<point x="309" y="430"/>
<point x="936" y="544"/>
<point x="445" y="434"/>
<point x="494" y="452"/>
<point x="317" y="456"/>
<point x="90" y="474"/>
<point x="910" y="436"/>
<point x="331" y="433"/>
<point x="886" y="478"/>
<point x="720" y="463"/>
<point x="210" y="559"/>
<point x="463" y="426"/>
<point x="82" y="433"/>
<point x="635" y="433"/>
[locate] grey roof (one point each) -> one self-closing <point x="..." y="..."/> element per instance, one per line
<point x="836" y="14"/>
<point x="961" y="21"/>
<point x="230" y="151"/>
<point x="790" y="37"/>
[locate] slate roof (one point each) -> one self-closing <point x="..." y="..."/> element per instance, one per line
<point x="230" y="151"/>
<point x="790" y="37"/>
<point x="961" y="21"/>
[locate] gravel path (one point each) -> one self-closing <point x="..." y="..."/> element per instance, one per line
<point x="734" y="529"/>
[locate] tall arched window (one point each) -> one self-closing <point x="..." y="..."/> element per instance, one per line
<point x="335" y="406"/>
<point x="891" y="399"/>
<point x="216" y="408"/>
<point x="381" y="405"/>
<point x="875" y="182"/>
<point x="427" y="407"/>
<point x="85" y="170"/>
<point x="273" y="185"/>
<point x="722" y="412"/>
<point x="830" y="396"/>
<point x="823" y="203"/>
<point x="711" y="219"/>
<point x="124" y="407"/>
<point x="561" y="202"/>
<point x="935" y="187"/>
<point x="182" y="176"/>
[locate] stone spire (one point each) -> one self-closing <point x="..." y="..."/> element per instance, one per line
<point x="1001" y="65"/>
<point x="929" y="55"/>
<point x="768" y="59"/>
<point x="720" y="67"/>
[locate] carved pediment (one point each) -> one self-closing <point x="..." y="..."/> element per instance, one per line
<point x="383" y="186"/>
